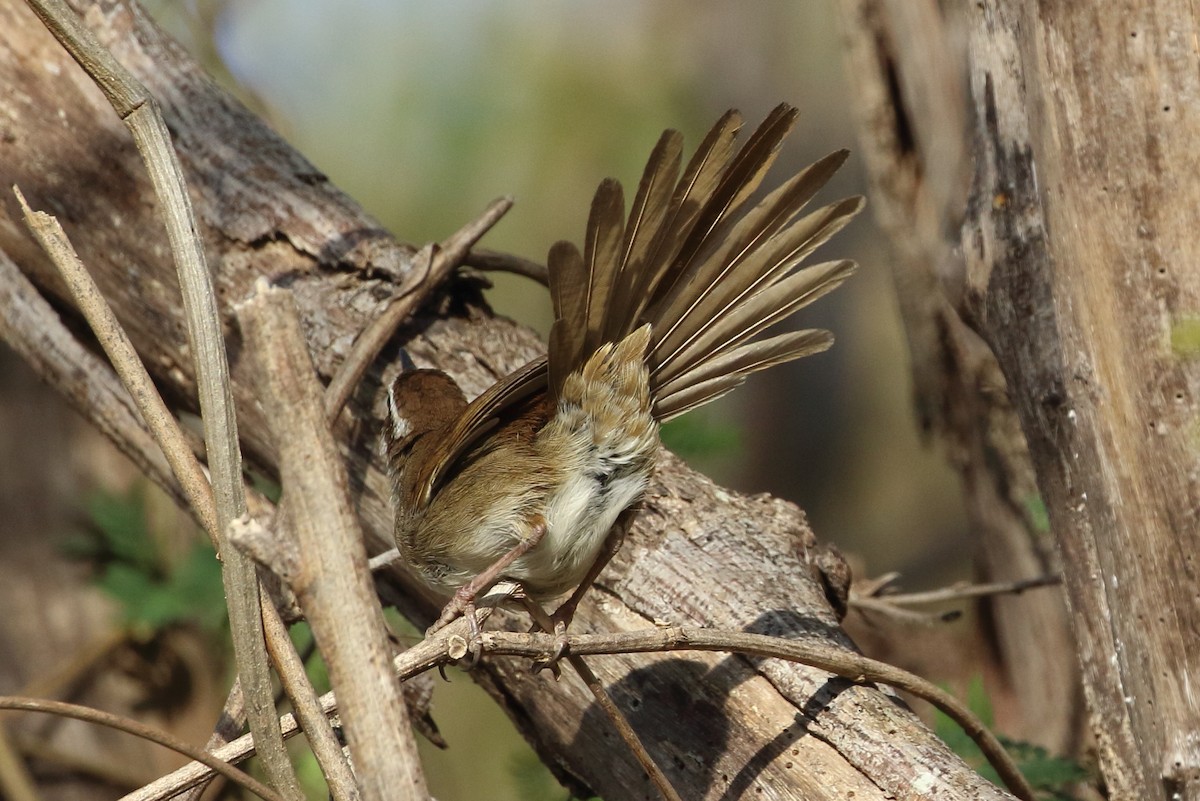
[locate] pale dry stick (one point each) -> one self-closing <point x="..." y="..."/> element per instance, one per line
<point x="610" y="709"/>
<point x="964" y="591"/>
<point x="31" y="326"/>
<point x="194" y="774"/>
<point x="324" y="743"/>
<point x="439" y="261"/>
<point x="140" y="113"/>
<point x="448" y="645"/>
<point x="325" y="561"/>
<point x="16" y="783"/>
<point x="868" y="605"/>
<point x="104" y="324"/>
<point x="127" y="363"/>
<point x="130" y="726"/>
<point x="893" y="605"/>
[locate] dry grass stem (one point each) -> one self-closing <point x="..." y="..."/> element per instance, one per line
<point x="104" y="324"/>
<point x="139" y="111"/>
<point x="14" y="702"/>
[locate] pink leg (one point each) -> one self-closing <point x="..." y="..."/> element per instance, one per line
<point x="565" y="613"/>
<point x="463" y="600"/>
<point x="612" y="543"/>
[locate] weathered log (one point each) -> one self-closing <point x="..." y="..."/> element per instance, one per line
<point x="698" y="554"/>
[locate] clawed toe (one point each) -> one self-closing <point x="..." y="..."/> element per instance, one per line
<point x="561" y="646"/>
<point x="460" y="605"/>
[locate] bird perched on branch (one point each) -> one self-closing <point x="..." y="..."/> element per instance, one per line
<point x="657" y="315"/>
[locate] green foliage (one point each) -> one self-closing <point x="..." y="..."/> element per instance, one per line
<point x="699" y="436"/>
<point x="314" y="664"/>
<point x="1185" y="337"/>
<point x="153" y="591"/>
<point x="1050" y="775"/>
<point x="1036" y="514"/>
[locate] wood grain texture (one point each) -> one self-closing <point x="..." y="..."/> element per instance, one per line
<point x="909" y="64"/>
<point x="1077" y="265"/>
<point x="723" y="727"/>
<point x="1081" y="257"/>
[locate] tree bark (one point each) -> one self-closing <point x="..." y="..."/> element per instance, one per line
<point x="911" y="102"/>
<point x="1076" y="263"/>
<point x="698" y="554"/>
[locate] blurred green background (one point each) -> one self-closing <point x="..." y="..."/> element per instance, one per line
<point x="424" y="112"/>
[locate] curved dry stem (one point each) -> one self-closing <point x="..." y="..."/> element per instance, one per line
<point x="449" y="644"/>
<point x="494" y="261"/>
<point x="838" y="661"/>
<point x="89" y="715"/>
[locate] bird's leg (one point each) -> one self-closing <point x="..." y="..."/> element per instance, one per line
<point x="542" y="620"/>
<point x="463" y="600"/>
<point x="612" y="543"/>
<point x="565" y="613"/>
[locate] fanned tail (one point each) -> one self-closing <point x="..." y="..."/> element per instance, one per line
<point x="705" y="272"/>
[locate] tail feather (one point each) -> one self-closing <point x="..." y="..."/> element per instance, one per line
<point x="723" y="373"/>
<point x="753" y="316"/>
<point x="568" y="293"/>
<point x="756" y="254"/>
<point x="646" y="222"/>
<point x="602" y="260"/>
<point x="700" y="178"/>
<point x="707" y="274"/>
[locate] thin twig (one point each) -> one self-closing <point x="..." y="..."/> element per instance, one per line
<point x="130" y="726"/>
<point x="494" y="261"/>
<point x="964" y="590"/>
<point x="441" y="261"/>
<point x="626" y="732"/>
<point x="104" y="324"/>
<point x="450" y="644"/>
<point x="873" y="597"/>
<point x="867" y="605"/>
<point x="815" y="654"/>
<point x="609" y="707"/>
<point x="325" y="746"/>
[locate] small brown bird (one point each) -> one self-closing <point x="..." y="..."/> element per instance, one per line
<point x="657" y="316"/>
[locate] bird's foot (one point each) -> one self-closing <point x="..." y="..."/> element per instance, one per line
<point x="462" y="604"/>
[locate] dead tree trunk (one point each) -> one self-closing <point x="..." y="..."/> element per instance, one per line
<point x="698" y="555"/>
<point x="1076" y="262"/>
